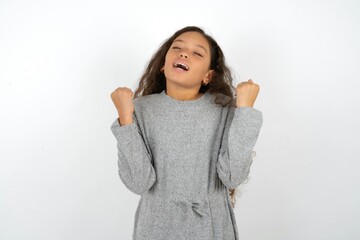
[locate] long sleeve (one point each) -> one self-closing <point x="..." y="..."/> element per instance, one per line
<point x="134" y="159"/>
<point x="240" y="135"/>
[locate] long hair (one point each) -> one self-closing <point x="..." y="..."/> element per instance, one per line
<point x="221" y="86"/>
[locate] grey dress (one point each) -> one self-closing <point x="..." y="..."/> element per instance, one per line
<point x="182" y="157"/>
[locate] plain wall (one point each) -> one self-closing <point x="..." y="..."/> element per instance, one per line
<point x="60" y="61"/>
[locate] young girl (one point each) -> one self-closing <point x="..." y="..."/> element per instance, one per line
<point x="184" y="141"/>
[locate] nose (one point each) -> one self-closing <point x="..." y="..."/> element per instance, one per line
<point x="184" y="55"/>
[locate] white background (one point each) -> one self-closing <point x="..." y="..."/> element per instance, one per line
<point x="60" y="61"/>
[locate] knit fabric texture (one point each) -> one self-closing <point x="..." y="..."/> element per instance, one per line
<point x="182" y="157"/>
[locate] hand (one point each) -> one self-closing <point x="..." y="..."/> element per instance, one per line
<point x="122" y="99"/>
<point x="246" y="93"/>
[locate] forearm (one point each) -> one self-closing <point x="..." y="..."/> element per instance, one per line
<point x="235" y="157"/>
<point x="134" y="161"/>
<point x="125" y="119"/>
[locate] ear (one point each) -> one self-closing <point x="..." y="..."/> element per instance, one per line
<point x="162" y="69"/>
<point x="208" y="77"/>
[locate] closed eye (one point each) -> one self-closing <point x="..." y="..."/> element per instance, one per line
<point x="198" y="54"/>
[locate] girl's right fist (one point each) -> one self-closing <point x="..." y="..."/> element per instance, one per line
<point x="122" y="99"/>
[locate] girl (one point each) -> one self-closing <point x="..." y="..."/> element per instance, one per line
<point x="184" y="141"/>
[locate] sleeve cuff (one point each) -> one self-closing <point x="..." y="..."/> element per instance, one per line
<point x="117" y="129"/>
<point x="249" y="116"/>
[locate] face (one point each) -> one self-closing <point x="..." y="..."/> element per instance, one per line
<point x="187" y="62"/>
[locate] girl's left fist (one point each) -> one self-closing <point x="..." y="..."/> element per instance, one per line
<point x="246" y="93"/>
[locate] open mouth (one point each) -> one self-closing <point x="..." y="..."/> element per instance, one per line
<point x="181" y="66"/>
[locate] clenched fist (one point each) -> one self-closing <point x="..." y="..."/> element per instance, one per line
<point x="246" y="93"/>
<point x="122" y="99"/>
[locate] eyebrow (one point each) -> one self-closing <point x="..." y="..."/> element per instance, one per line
<point x="200" y="46"/>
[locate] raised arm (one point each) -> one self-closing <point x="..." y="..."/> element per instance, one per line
<point x="134" y="158"/>
<point x="240" y="135"/>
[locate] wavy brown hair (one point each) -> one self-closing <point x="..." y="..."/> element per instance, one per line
<point x="221" y="86"/>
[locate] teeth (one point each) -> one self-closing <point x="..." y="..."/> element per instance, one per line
<point x="181" y="65"/>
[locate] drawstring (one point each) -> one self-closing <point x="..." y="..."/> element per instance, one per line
<point x="199" y="207"/>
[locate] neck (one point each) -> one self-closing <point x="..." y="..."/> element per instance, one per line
<point x="183" y="96"/>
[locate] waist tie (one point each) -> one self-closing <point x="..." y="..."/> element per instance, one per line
<point x="200" y="207"/>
